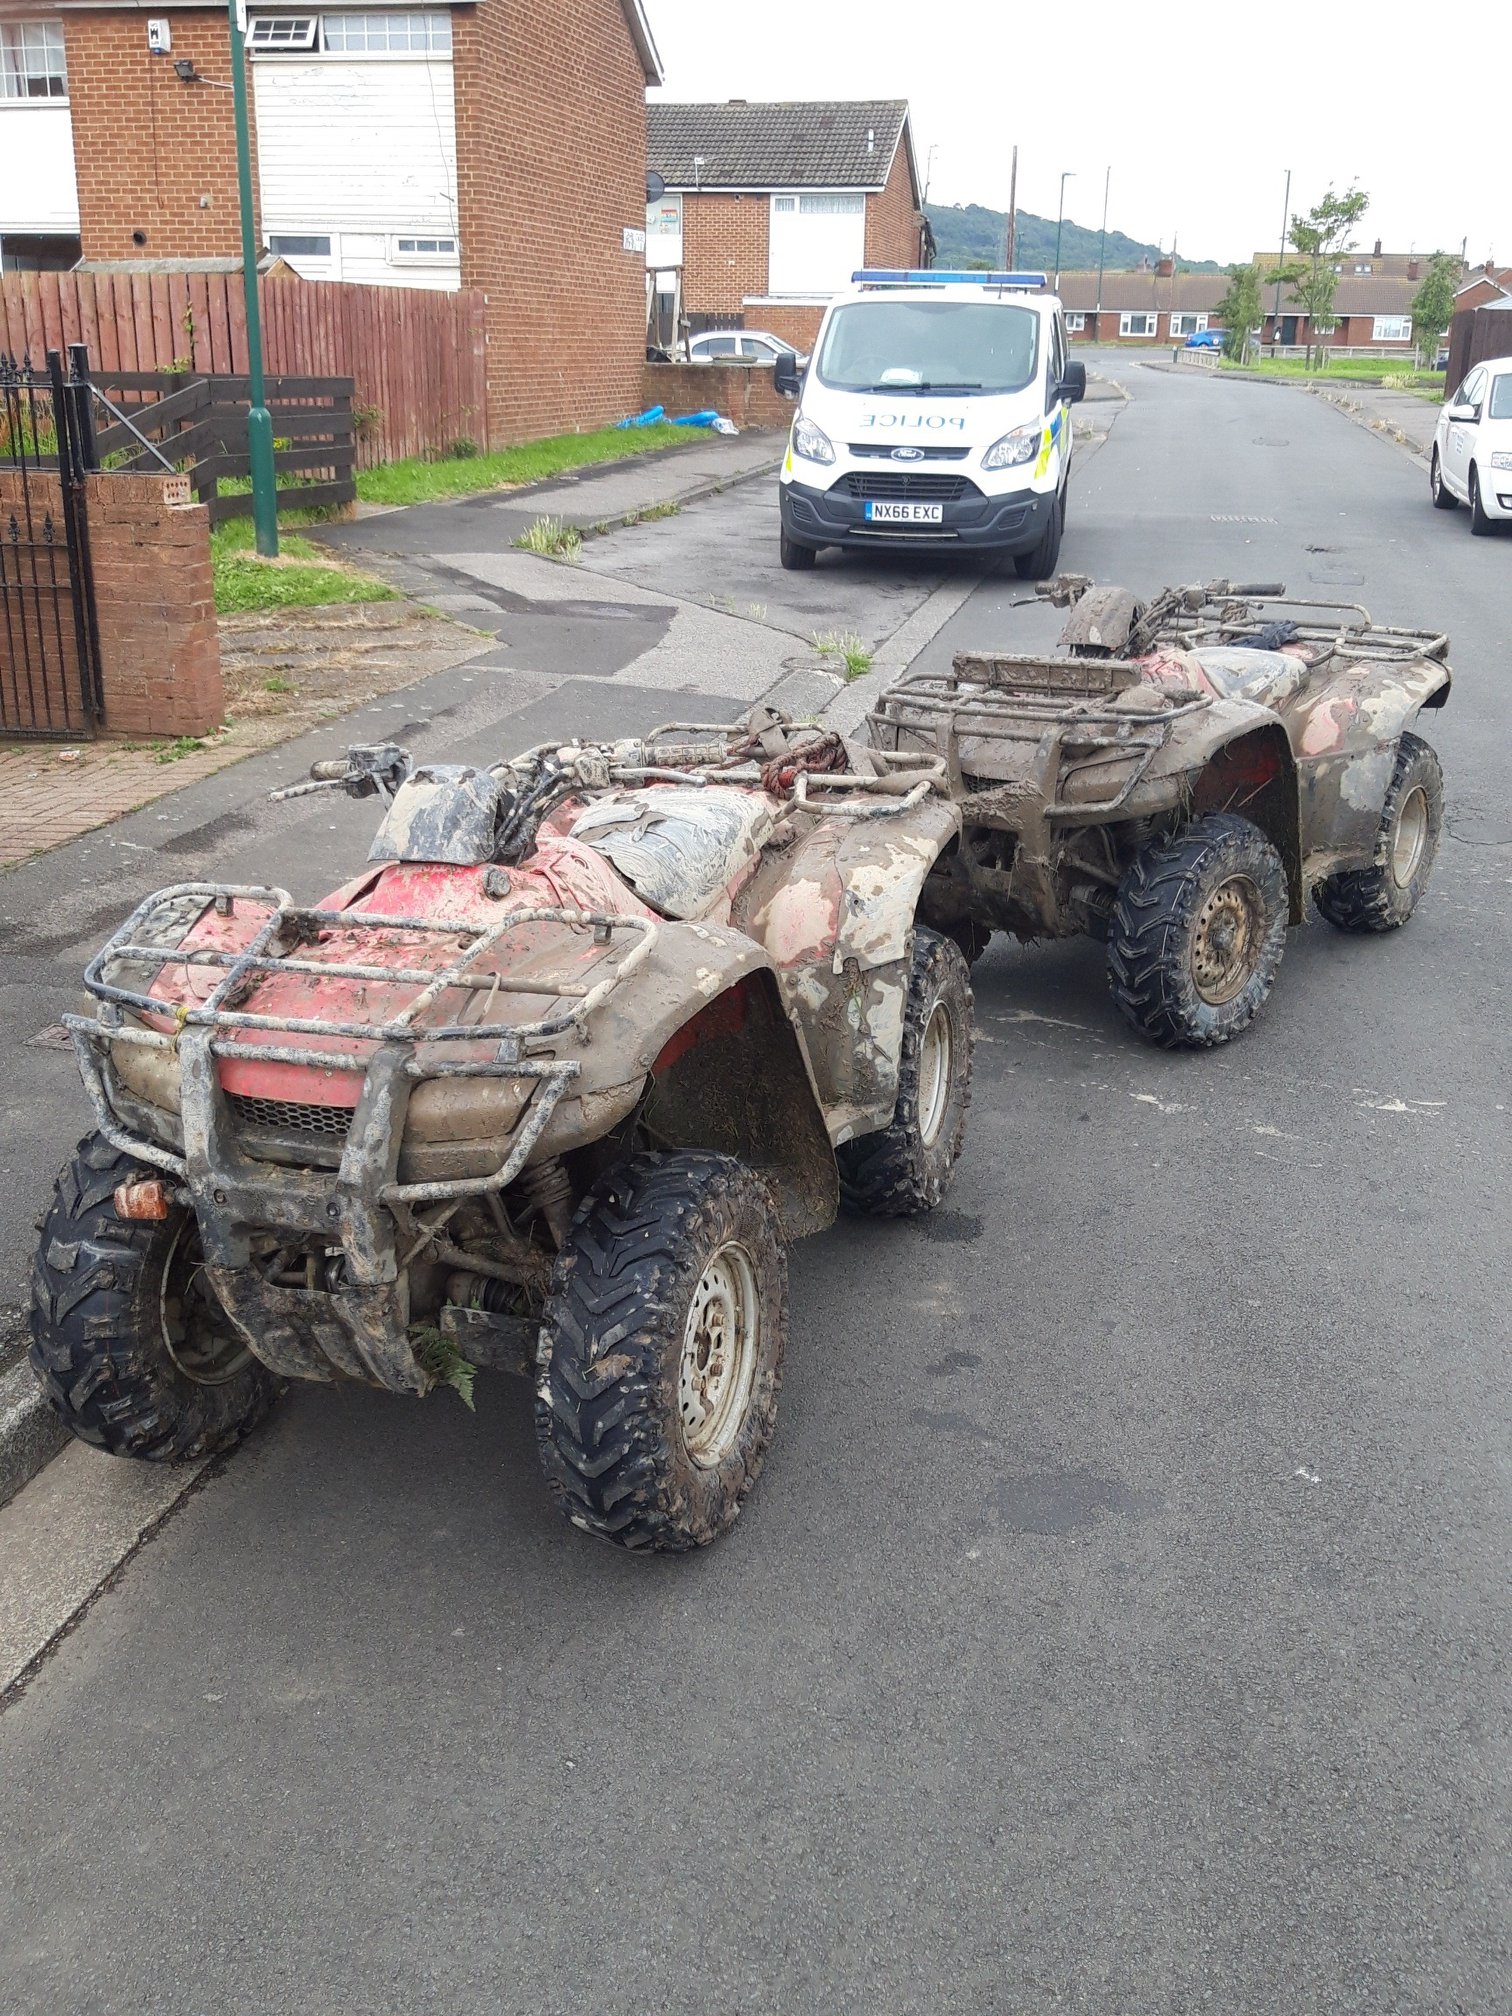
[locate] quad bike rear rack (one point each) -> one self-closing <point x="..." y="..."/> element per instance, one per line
<point x="1062" y="708"/>
<point x="402" y="1049"/>
<point x="1347" y="627"/>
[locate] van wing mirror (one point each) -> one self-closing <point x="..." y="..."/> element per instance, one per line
<point x="1073" y="384"/>
<point x="1462" y="411"/>
<point x="786" y="377"/>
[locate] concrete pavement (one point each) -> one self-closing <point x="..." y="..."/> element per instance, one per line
<point x="1122" y="1620"/>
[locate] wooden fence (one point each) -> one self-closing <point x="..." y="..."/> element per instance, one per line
<point x="416" y="357"/>
<point x="200" y="425"/>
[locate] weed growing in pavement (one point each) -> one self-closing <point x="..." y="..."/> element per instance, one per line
<point x="553" y="537"/>
<point x="847" y="647"/>
<point x="278" y="685"/>
<point x="182" y="745"/>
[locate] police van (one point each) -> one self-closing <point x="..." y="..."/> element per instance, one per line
<point x="935" y="414"/>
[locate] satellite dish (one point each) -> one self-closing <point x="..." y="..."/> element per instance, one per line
<point x="656" y="186"/>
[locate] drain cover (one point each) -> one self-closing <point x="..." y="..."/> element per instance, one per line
<point x="53" y="1037"/>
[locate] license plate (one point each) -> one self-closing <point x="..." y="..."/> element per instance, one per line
<point x="905" y="514"/>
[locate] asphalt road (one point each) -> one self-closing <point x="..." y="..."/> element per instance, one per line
<point x="1121" y="1623"/>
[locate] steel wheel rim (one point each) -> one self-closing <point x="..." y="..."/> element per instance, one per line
<point x="721" y="1345"/>
<point x="936" y="1060"/>
<point x="181" y="1293"/>
<point x="1411" y="837"/>
<point x="1226" y="943"/>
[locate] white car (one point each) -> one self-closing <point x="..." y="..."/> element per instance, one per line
<point x="1472" y="447"/>
<point x="741" y="346"/>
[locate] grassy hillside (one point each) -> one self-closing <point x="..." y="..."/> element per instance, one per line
<point x="969" y="235"/>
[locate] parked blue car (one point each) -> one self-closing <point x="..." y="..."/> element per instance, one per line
<point x="1205" y="339"/>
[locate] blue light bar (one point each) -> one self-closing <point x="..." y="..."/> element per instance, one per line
<point x="931" y="276"/>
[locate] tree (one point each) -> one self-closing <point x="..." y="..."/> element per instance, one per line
<point x="1322" y="236"/>
<point x="1433" y="305"/>
<point x="1239" y="311"/>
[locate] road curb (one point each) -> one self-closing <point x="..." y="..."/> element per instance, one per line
<point x="30" y="1433"/>
<point x="597" y="527"/>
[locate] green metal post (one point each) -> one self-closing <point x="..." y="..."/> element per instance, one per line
<point x="259" y="420"/>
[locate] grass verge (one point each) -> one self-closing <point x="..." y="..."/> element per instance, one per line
<point x="1401" y="374"/>
<point x="300" y="578"/>
<point x="422" y="482"/>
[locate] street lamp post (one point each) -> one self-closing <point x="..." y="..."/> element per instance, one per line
<point x="1068" y="176"/>
<point x="259" y="420"/>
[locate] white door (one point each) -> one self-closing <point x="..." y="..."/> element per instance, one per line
<point x="1459" y="436"/>
<point x="818" y="240"/>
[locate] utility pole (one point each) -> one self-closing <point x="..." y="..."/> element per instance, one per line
<point x="1069" y="175"/>
<point x="259" y="420"/>
<point x="1010" y="250"/>
<point x="1280" y="262"/>
<point x="1102" y="259"/>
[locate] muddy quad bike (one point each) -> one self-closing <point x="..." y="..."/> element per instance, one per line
<point x="1175" y="780"/>
<point x="548" y="1086"/>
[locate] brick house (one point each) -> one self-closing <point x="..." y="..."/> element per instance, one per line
<point x="490" y="144"/>
<point x="1156" y="305"/>
<point x="769" y="209"/>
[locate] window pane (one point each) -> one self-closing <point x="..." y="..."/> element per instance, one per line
<point x="31" y="60"/>
<point x="829" y="204"/>
<point x="283" y="31"/>
<point x="388" y="34"/>
<point x="286" y="246"/>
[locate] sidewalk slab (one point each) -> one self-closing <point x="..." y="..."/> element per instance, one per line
<point x="65" y="1534"/>
<point x="30" y="1433"/>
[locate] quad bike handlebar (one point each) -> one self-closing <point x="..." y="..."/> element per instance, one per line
<point x="368" y="769"/>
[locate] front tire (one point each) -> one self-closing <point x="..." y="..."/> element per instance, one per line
<point x="1383" y="896"/>
<point x="795" y="559"/>
<point x="1443" y="497"/>
<point x="1039" y="563"/>
<point x="1480" y="524"/>
<point x="133" y="1350"/>
<point x="661" y="1351"/>
<point x="1198" y="930"/>
<point x="907" y="1166"/>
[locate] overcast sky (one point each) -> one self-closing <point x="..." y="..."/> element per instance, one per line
<point x="1199" y="110"/>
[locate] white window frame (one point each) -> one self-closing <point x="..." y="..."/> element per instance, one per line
<point x="315" y="43"/>
<point x="43" y="41"/>
<point x="261" y="39"/>
<point x="398" y="256"/>
<point x="1076" y="321"/>
<point x="1391" y="329"/>
<point x="1129" y="316"/>
<point x="1184" y="315"/>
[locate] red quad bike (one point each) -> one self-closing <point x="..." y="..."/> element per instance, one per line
<point x="1176" y="780"/>
<point x="546" y="1087"/>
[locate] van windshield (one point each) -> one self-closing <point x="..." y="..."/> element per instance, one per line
<point x="930" y="346"/>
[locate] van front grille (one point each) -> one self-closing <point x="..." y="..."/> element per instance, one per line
<point x="911" y="485"/>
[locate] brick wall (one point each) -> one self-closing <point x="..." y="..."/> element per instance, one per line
<point x="744" y="393"/>
<point x="159" y="655"/>
<point x="148" y="150"/>
<point x="794" y="322"/>
<point x="551" y="167"/>
<point x="725" y="251"/>
<point x="893" y="218"/>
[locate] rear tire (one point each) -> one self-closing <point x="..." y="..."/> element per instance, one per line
<point x="133" y="1350"/>
<point x="1443" y="497"/>
<point x="1383" y="896"/>
<point x="661" y="1351"/>
<point x="1039" y="563"/>
<point x="1480" y="524"/>
<point x="795" y="559"/>
<point x="1198" y="930"/>
<point x="907" y="1166"/>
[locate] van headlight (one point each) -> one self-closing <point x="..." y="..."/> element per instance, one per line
<point x="1501" y="460"/>
<point x="811" y="442"/>
<point x="1022" y="445"/>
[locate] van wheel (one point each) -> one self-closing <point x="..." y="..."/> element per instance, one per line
<point x="1197" y="934"/>
<point x="133" y="1349"/>
<point x="1039" y="563"/>
<point x="1443" y="497"/>
<point x="661" y="1351"/>
<point x="1383" y="896"/>
<point x="907" y="1166"/>
<point x="795" y="559"/>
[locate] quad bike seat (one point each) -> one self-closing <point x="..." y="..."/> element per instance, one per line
<point x="1233" y="672"/>
<point x="677" y="847"/>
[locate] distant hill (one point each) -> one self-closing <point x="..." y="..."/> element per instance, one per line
<point x="967" y="234"/>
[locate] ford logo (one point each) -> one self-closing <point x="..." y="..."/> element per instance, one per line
<point x="908" y="455"/>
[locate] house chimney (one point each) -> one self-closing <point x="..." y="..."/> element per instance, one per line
<point x="1377" y="252"/>
<point x="1412" y="269"/>
<point x="1165" y="269"/>
<point x="740" y="101"/>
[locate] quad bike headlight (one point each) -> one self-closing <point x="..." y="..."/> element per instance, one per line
<point x="1022" y="445"/>
<point x="811" y="442"/>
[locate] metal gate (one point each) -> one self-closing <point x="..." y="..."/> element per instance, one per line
<point x="49" y="636"/>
